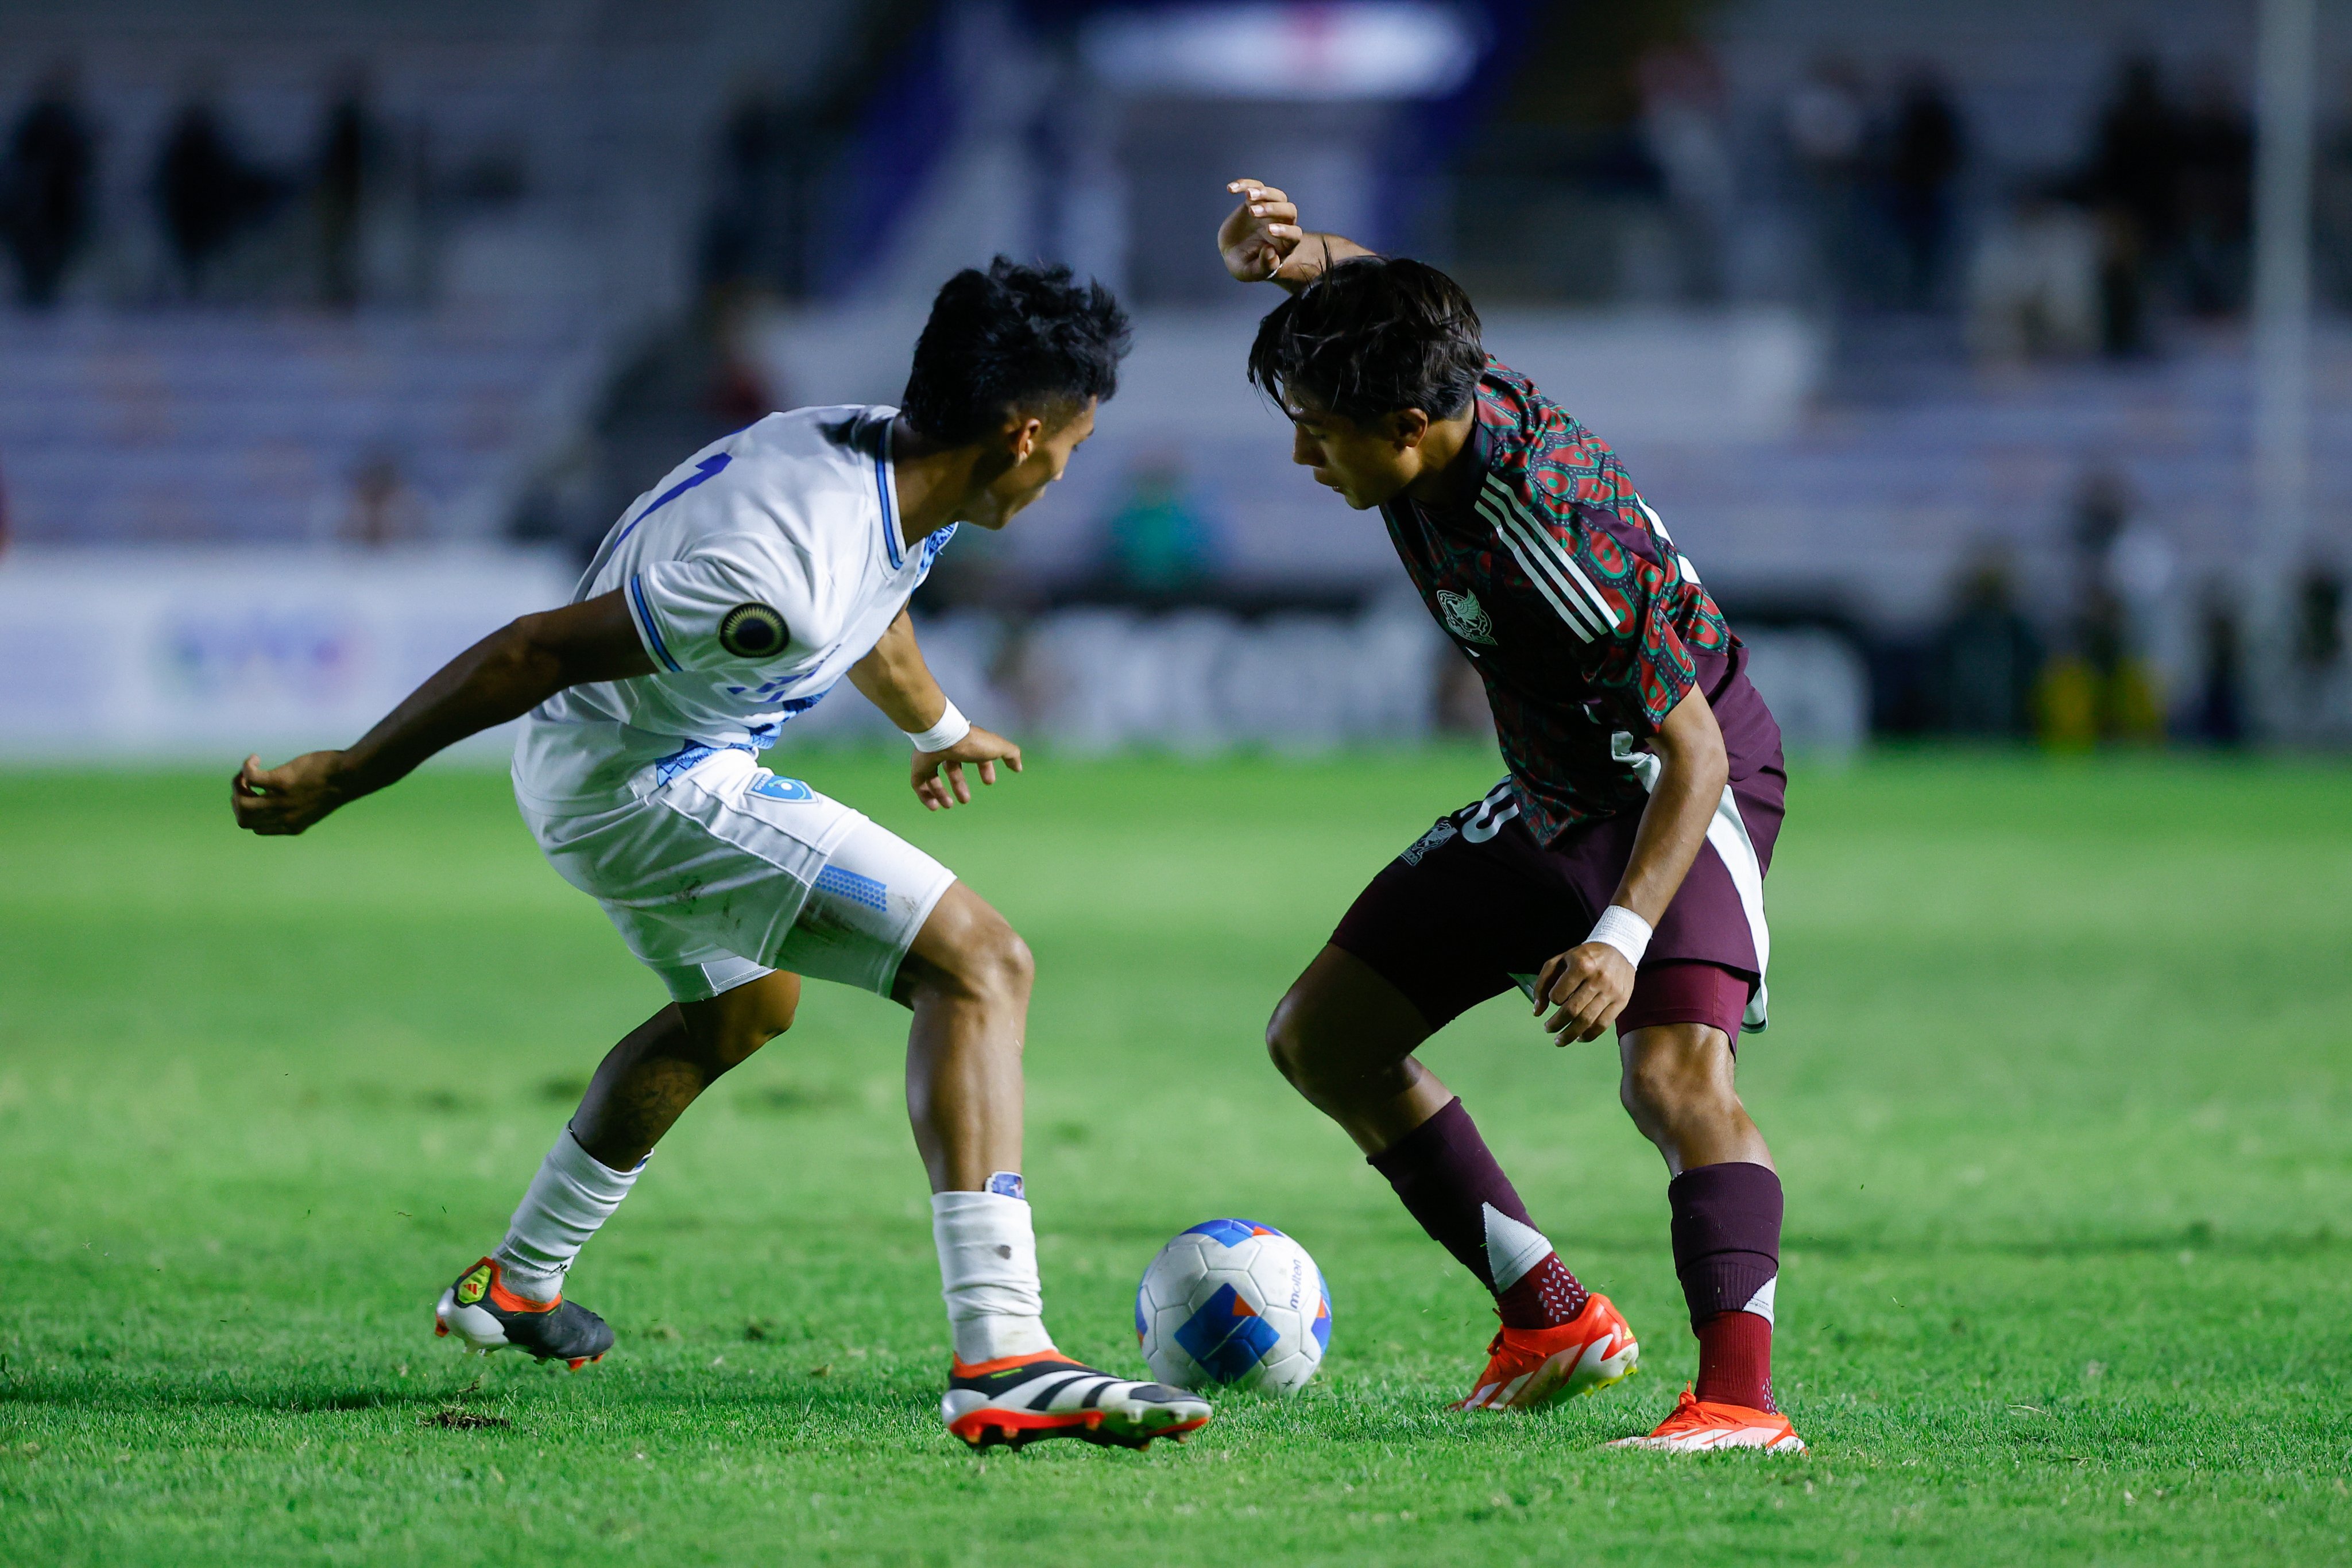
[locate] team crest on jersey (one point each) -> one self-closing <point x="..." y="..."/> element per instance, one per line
<point x="1465" y="617"/>
<point x="472" y="1287"/>
<point x="752" y="632"/>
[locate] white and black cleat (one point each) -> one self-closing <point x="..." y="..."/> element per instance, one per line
<point x="1024" y="1399"/>
<point x="486" y="1316"/>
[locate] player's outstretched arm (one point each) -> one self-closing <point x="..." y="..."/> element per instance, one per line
<point x="1262" y="242"/>
<point x="501" y="677"/>
<point x="1588" y="985"/>
<point x="895" y="679"/>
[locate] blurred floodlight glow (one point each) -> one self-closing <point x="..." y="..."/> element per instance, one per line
<point x="1328" y="52"/>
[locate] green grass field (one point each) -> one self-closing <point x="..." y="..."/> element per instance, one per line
<point x="2059" y="1081"/>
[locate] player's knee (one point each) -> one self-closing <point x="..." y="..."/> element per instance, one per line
<point x="988" y="961"/>
<point x="1298" y="1048"/>
<point x="1675" y="1080"/>
<point x="1285" y="1041"/>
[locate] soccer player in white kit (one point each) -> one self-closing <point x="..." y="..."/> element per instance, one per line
<point x="727" y="599"/>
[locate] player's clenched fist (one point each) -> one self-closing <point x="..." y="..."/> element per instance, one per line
<point x="1258" y="236"/>
<point x="1588" y="986"/>
<point x="288" y="797"/>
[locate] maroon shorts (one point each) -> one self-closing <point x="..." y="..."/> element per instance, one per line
<point x="1476" y="906"/>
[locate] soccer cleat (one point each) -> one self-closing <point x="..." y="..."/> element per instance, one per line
<point x="1023" y="1399"/>
<point x="481" y="1312"/>
<point x="1528" y="1367"/>
<point x="1700" y="1425"/>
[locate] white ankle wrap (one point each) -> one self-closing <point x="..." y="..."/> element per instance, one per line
<point x="988" y="1274"/>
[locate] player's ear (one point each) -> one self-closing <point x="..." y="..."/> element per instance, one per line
<point x="1407" y="426"/>
<point x="1021" y="434"/>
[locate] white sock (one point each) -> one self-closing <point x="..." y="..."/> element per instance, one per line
<point x="988" y="1273"/>
<point x="570" y="1198"/>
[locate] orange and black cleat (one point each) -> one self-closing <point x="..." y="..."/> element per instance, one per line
<point x="1528" y="1367"/>
<point x="486" y="1316"/>
<point x="1021" y="1399"/>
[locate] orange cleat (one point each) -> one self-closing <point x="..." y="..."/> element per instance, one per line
<point x="1528" y="1367"/>
<point x="1698" y="1426"/>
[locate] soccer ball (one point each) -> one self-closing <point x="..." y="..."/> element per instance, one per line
<point x="1233" y="1301"/>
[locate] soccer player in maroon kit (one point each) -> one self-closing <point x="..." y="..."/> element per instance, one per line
<point x="1615" y="875"/>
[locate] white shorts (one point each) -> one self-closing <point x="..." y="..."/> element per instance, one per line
<point x="729" y="873"/>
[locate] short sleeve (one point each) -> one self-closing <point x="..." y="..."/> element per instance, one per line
<point x="718" y="610"/>
<point x="1655" y="670"/>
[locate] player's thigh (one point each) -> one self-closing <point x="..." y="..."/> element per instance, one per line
<point x="967" y="946"/>
<point x="1469" y="909"/>
<point x="1342" y="1016"/>
<point x="866" y="911"/>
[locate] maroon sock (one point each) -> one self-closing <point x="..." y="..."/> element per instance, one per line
<point x="1727" y="1231"/>
<point x="1450" y="1183"/>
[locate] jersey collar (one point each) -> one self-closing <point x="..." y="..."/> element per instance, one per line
<point x="1478" y="452"/>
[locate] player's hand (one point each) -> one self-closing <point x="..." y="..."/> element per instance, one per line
<point x="1588" y="986"/>
<point x="290" y="797"/>
<point x="1259" y="236"/>
<point x="981" y="746"/>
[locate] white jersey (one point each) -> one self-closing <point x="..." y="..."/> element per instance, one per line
<point x="757" y="573"/>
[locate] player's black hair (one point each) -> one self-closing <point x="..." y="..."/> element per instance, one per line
<point x="1013" y="339"/>
<point x="1373" y="335"/>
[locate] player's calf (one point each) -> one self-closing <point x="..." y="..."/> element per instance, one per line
<point x="1726" y="1204"/>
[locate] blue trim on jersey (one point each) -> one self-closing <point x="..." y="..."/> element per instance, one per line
<point x="707" y="469"/>
<point x="890" y="518"/>
<point x="932" y="545"/>
<point x="646" y="619"/>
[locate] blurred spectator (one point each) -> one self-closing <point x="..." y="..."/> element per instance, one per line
<point x="350" y="159"/>
<point x="1927" y="145"/>
<point x="2221" y="712"/>
<point x="45" y="185"/>
<point x="1159" y="543"/>
<point x="2134" y="183"/>
<point x="2322" y="696"/>
<point x="2216" y="196"/>
<point x="2331" y="250"/>
<point x="2100" y="687"/>
<point x="383" y="510"/>
<point x="1987" y="657"/>
<point x="1827" y="123"/>
<point x="207" y="194"/>
<point x="750" y="236"/>
<point x="2319" y="619"/>
<point x="1683" y="130"/>
<point x="2034" y="285"/>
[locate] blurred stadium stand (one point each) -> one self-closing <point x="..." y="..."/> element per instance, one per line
<point x="1925" y="333"/>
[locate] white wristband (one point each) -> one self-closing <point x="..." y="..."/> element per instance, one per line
<point x="952" y="726"/>
<point x="1622" y="929"/>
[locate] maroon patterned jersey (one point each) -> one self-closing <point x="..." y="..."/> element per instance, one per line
<point x="1585" y="621"/>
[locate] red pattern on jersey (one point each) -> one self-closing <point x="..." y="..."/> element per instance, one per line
<point x="1561" y="685"/>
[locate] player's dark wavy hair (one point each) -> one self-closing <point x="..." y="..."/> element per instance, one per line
<point x="1373" y="335"/>
<point x="1013" y="339"/>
